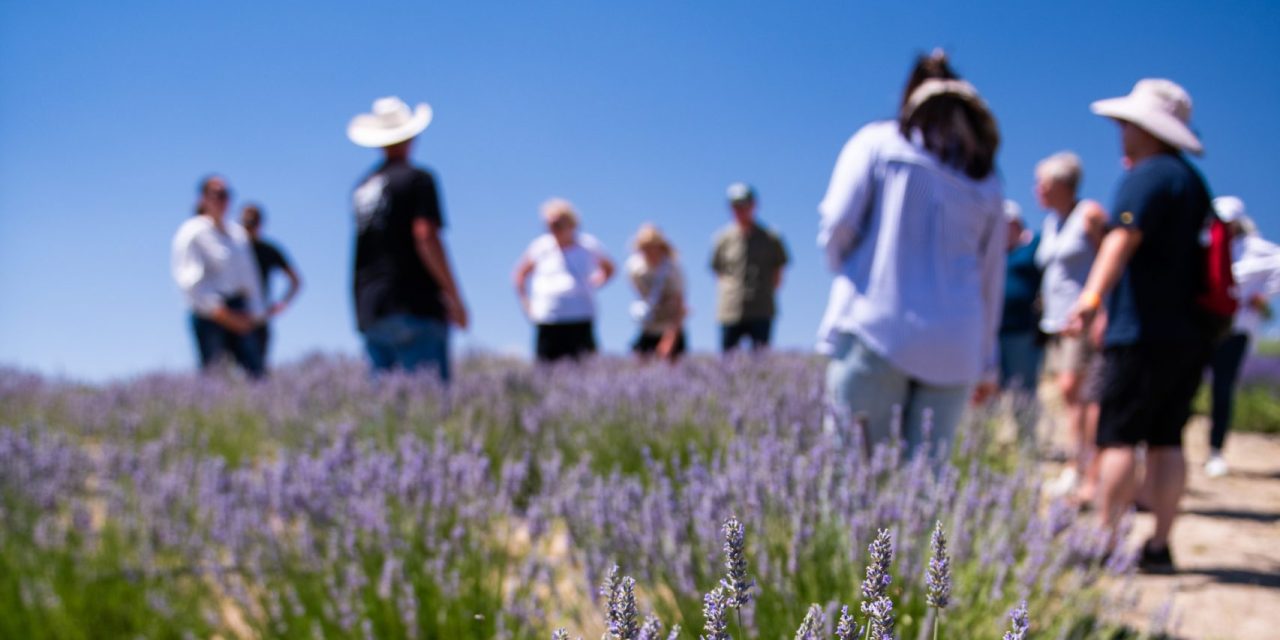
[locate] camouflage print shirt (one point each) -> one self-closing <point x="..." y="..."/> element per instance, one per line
<point x="747" y="267"/>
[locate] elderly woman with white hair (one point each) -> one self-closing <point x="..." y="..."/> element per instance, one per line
<point x="913" y="227"/>
<point x="659" y="283"/>
<point x="1069" y="243"/>
<point x="1255" y="263"/>
<point x="556" y="281"/>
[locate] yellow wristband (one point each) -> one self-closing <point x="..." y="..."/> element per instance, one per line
<point x="1090" y="300"/>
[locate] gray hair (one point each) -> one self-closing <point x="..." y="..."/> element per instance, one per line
<point x="1062" y="167"/>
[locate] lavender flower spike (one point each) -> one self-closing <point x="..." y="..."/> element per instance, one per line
<point x="875" y="588"/>
<point x="675" y="633"/>
<point x="814" y="626"/>
<point x="560" y="634"/>
<point x="715" y="611"/>
<point x="1020" y="623"/>
<point x="736" y="584"/>
<point x="847" y="628"/>
<point x="609" y="583"/>
<point x="879" y="618"/>
<point x="622" y="610"/>
<point x="876" y="583"/>
<point x="651" y="629"/>
<point x="938" y="579"/>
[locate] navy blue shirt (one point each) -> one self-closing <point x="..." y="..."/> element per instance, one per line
<point x="1021" y="286"/>
<point x="1165" y="198"/>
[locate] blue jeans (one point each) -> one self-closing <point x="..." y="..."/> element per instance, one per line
<point x="862" y="386"/>
<point x="1020" y="361"/>
<point x="215" y="342"/>
<point x="408" y="342"/>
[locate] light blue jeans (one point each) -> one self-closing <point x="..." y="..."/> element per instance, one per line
<point x="863" y="387"/>
<point x="408" y="342"/>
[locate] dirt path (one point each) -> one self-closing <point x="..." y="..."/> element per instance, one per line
<point x="1226" y="546"/>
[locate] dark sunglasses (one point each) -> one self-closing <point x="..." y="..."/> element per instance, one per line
<point x="219" y="194"/>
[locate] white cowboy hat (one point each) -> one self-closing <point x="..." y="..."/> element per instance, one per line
<point x="1229" y="208"/>
<point x="391" y="122"/>
<point x="1160" y="107"/>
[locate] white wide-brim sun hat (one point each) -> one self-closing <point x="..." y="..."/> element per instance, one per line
<point x="1160" y="107"/>
<point x="390" y="123"/>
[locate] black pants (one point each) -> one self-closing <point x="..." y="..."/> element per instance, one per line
<point x="1227" y="358"/>
<point x="647" y="343"/>
<point x="262" y="335"/>
<point x="565" y="340"/>
<point x="758" y="330"/>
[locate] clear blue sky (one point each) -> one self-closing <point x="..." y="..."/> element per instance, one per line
<point x="111" y="111"/>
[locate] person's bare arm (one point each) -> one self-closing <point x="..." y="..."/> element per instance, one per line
<point x="521" y="279"/>
<point x="604" y="272"/>
<point x="426" y="240"/>
<point x="1117" y="248"/>
<point x="1095" y="222"/>
<point x="295" y="285"/>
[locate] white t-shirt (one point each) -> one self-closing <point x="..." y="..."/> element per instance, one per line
<point x="560" y="287"/>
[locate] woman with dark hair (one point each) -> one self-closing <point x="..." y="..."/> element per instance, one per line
<point x="213" y="264"/>
<point x="913" y="227"/>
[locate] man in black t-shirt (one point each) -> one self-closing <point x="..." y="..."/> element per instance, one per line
<point x="1150" y="269"/>
<point x="405" y="293"/>
<point x="270" y="259"/>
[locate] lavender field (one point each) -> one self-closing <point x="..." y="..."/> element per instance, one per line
<point x="320" y="504"/>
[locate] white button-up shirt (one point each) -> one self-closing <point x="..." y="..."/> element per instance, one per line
<point x="918" y="249"/>
<point x="211" y="265"/>
<point x="1256" y="269"/>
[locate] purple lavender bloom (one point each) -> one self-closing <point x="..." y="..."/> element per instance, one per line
<point x="938" y="579"/>
<point x="876" y="583"/>
<point x="622" y="610"/>
<point x="737" y="585"/>
<point x="715" y="614"/>
<point x="814" y="625"/>
<point x="847" y="627"/>
<point x="1019" y="623"/>
<point x="879" y="617"/>
<point x="651" y="629"/>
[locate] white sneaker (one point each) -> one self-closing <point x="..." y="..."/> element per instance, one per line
<point x="1064" y="485"/>
<point x="1216" y="467"/>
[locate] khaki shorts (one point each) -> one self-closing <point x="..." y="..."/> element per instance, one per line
<point x="1067" y="353"/>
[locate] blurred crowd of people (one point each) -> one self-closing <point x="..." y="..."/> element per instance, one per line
<point x="941" y="294"/>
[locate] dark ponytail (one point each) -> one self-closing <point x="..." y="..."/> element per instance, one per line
<point x="958" y="129"/>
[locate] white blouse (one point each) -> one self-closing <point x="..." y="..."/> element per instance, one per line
<point x="1257" y="272"/>
<point x="211" y="265"/>
<point x="918" y="251"/>
<point x="560" y="288"/>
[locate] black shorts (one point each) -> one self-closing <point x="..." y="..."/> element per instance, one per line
<point x="565" y="340"/>
<point x="648" y="343"/>
<point x="1147" y="390"/>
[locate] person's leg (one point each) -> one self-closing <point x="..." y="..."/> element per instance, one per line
<point x="1227" y="359"/>
<point x="1168" y="471"/>
<point x="1178" y="372"/>
<point x="761" y="332"/>
<point x="245" y="350"/>
<point x="863" y="388"/>
<point x="383" y="341"/>
<point x="426" y="345"/>
<point x="585" y="339"/>
<point x="208" y="337"/>
<point x="730" y="335"/>
<point x="1122" y="418"/>
<point x="945" y="407"/>
<point x="1117" y="483"/>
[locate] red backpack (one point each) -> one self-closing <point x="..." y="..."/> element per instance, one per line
<point x="1217" y="298"/>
